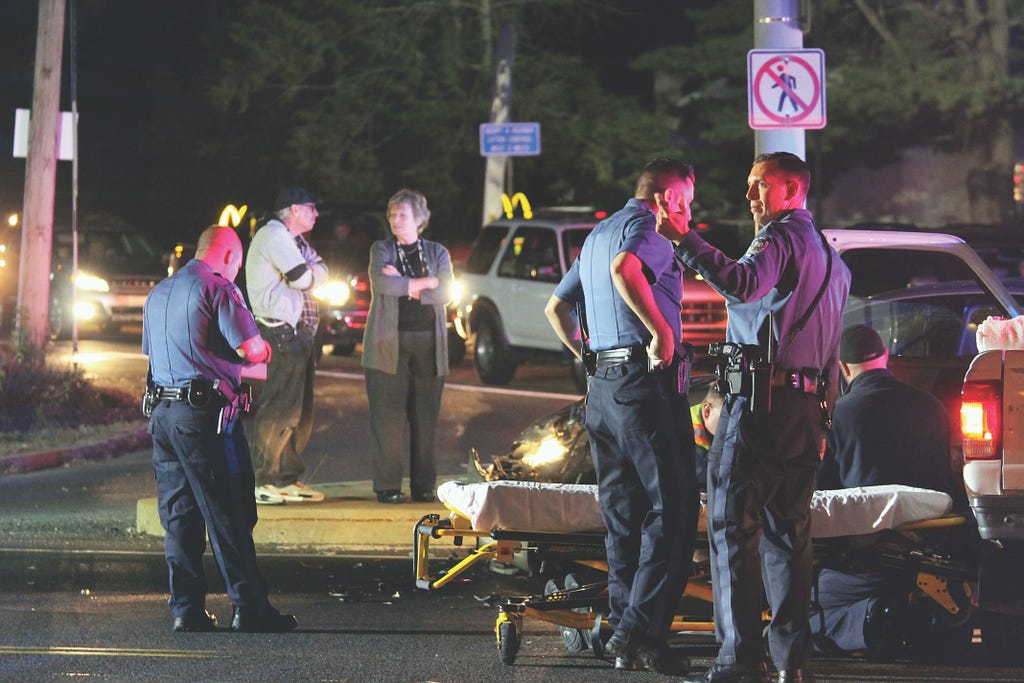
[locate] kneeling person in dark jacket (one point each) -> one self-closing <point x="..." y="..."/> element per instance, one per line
<point x="884" y="431"/>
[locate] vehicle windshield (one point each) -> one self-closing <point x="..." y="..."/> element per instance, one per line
<point x="572" y="242"/>
<point x="110" y="251"/>
<point x="925" y="322"/>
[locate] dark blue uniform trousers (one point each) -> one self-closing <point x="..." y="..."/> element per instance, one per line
<point x="205" y="483"/>
<point x="641" y="440"/>
<point x="761" y="475"/>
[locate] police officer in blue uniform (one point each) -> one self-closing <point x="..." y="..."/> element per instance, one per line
<point x="630" y="285"/>
<point x="198" y="332"/>
<point x="790" y="285"/>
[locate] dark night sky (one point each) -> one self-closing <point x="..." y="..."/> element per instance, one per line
<point x="140" y="67"/>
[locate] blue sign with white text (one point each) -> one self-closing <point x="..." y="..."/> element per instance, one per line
<point x="509" y="139"/>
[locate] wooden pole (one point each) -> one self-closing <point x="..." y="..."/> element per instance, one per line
<point x="40" y="178"/>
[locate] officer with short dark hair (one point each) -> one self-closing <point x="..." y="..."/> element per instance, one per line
<point x="198" y="332"/>
<point x="631" y="285"/>
<point x="788" y="291"/>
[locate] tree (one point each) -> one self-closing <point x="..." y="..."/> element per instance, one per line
<point x="901" y="73"/>
<point x="940" y="74"/>
<point x="359" y="99"/>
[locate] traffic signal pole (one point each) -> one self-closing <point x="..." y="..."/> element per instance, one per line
<point x="777" y="26"/>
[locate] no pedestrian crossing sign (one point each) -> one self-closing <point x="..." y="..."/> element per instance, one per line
<point x="786" y="88"/>
<point x="509" y="139"/>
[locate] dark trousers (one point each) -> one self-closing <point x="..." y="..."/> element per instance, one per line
<point x="761" y="475"/>
<point x="204" y="486"/>
<point x="844" y="600"/>
<point x="641" y="439"/>
<point x="406" y="402"/>
<point x="283" y="421"/>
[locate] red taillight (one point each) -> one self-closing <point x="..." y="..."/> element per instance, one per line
<point x="980" y="412"/>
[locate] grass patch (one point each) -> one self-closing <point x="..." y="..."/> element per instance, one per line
<point x="44" y="406"/>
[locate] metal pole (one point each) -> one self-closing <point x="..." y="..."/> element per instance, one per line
<point x="73" y="49"/>
<point x="777" y="26"/>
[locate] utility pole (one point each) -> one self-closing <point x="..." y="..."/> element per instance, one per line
<point x="40" y="178"/>
<point x="777" y="26"/>
<point x="497" y="170"/>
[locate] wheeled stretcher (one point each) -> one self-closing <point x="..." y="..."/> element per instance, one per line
<point x="562" y="522"/>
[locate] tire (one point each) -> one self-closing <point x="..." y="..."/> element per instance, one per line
<point x="509" y="642"/>
<point x="346" y="349"/>
<point x="456" y="349"/>
<point x="491" y="354"/>
<point x="59" y="326"/>
<point x="1002" y="636"/>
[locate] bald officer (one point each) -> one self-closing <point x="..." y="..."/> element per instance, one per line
<point x="198" y="332"/>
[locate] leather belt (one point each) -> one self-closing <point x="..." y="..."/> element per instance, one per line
<point x="805" y="380"/>
<point x="172" y="393"/>
<point x="627" y="354"/>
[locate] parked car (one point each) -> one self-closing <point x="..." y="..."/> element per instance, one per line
<point x="511" y="272"/>
<point x="117" y="268"/>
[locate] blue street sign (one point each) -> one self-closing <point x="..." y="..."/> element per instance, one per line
<point x="509" y="139"/>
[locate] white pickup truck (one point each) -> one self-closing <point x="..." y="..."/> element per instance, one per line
<point x="992" y="427"/>
<point x="927" y="294"/>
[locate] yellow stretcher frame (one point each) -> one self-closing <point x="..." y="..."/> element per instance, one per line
<point x="558" y="607"/>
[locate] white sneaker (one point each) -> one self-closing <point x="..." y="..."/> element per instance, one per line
<point x="269" y="495"/>
<point x="299" y="493"/>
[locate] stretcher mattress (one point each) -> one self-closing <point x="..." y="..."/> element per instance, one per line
<point x="540" y="507"/>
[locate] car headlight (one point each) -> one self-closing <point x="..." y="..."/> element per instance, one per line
<point x="333" y="293"/>
<point x="91" y="283"/>
<point x="457" y="290"/>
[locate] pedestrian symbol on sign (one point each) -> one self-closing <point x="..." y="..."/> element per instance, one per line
<point x="787" y="82"/>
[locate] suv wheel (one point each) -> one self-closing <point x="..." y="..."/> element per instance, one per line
<point x="491" y="355"/>
<point x="343" y="349"/>
<point x="59" y="325"/>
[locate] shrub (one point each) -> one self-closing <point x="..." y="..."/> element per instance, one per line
<point x="36" y="395"/>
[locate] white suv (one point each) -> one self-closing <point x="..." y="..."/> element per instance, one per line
<point x="511" y="273"/>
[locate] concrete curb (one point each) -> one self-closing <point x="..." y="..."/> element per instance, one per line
<point x="111" y="448"/>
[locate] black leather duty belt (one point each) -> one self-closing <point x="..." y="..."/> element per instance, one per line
<point x="171" y="393"/>
<point x="805" y="380"/>
<point x="627" y="354"/>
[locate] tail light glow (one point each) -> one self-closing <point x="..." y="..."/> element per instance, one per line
<point x="980" y="416"/>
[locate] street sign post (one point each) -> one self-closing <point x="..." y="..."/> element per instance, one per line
<point x="509" y="139"/>
<point x="786" y="88"/>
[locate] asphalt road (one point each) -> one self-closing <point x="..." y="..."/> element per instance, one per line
<point x="83" y="596"/>
<point x="473" y="415"/>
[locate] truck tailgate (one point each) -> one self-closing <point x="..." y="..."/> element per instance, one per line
<point x="1013" y="420"/>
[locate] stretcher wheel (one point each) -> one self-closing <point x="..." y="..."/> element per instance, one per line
<point x="509" y="641"/>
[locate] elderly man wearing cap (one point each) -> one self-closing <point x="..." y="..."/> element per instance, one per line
<point x="281" y="271"/>
<point x="884" y="431"/>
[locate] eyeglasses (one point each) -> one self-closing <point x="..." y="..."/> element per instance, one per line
<point x="309" y="206"/>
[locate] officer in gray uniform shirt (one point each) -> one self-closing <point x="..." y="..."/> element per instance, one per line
<point x="787" y="292"/>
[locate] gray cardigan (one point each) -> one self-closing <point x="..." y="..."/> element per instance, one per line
<point x="380" y="338"/>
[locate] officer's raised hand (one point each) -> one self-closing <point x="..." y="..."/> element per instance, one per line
<point x="673" y="215"/>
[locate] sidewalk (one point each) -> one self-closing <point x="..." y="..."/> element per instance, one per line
<point x="350" y="520"/>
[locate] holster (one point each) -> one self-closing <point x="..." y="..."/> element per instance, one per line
<point x="744" y="370"/>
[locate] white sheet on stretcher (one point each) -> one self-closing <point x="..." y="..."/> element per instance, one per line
<point x="532" y="506"/>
